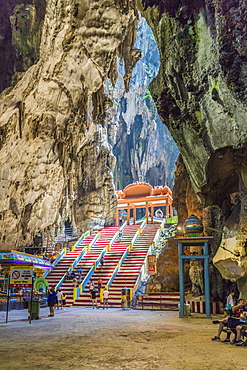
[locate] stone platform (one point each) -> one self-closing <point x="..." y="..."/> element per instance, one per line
<point x="114" y="339"/>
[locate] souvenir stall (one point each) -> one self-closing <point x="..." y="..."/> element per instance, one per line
<point x="21" y="275"/>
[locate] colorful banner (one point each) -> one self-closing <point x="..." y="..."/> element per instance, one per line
<point x="21" y="276"/>
<point x="152" y="265"/>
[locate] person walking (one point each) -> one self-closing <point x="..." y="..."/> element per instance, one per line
<point x="59" y="298"/>
<point x="51" y="300"/>
<point x="91" y="286"/>
<point x="102" y="260"/>
<point x="63" y="301"/>
<point x="229" y="300"/>
<point x="106" y="298"/>
<point x="120" y="234"/>
<point x="100" y="284"/>
<point x="94" y="298"/>
<point x="75" y="282"/>
<point x="79" y="271"/>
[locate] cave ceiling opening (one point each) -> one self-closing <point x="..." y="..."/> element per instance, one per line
<point x="142" y="145"/>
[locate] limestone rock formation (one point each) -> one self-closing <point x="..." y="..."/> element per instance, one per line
<point x="55" y="160"/>
<point x="201" y="96"/>
<point x="142" y="145"/>
<point x="20" y="34"/>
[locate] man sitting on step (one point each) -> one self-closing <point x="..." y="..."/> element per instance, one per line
<point x="232" y="322"/>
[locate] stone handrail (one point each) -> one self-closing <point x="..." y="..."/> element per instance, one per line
<point x="157" y="235"/>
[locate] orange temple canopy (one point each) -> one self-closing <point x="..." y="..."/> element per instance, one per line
<point x="143" y="195"/>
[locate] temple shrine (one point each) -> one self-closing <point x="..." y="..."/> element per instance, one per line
<point x="143" y="195"/>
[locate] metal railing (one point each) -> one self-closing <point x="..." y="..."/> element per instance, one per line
<point x="64" y="252"/>
<point x="117" y="268"/>
<point x="160" y="305"/>
<point x="115" y="236"/>
<point x="85" y="249"/>
<point x="70" y="269"/>
<point x="68" y="234"/>
<point x="78" y="291"/>
<point x="59" y="257"/>
<point x="84" y="236"/>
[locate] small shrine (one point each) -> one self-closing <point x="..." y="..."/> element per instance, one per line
<point x="193" y="246"/>
<point x="143" y="195"/>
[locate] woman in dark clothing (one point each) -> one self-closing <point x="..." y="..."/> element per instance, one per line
<point x="51" y="300"/>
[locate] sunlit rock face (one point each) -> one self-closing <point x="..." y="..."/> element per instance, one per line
<point x="142" y="144"/>
<point x="201" y="96"/>
<point x="55" y="160"/>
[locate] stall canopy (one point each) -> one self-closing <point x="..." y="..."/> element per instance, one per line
<point x="19" y="257"/>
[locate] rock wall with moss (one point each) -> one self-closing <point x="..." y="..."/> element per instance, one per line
<point x="201" y="96"/>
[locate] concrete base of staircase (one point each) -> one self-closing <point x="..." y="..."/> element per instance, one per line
<point x="158" y="301"/>
<point x="156" y="307"/>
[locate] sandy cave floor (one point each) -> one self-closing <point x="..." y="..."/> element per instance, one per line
<point x="82" y="338"/>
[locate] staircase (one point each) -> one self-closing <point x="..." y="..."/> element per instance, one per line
<point x="159" y="301"/>
<point x="111" y="260"/>
<point x="126" y="276"/>
<point x="88" y="260"/>
<point x="132" y="265"/>
<point x="64" y="264"/>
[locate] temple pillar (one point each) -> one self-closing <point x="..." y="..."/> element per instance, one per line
<point x="128" y="214"/>
<point x="167" y="208"/>
<point x="134" y="215"/>
<point x="152" y="214"/>
<point x="147" y="211"/>
<point x="171" y="210"/>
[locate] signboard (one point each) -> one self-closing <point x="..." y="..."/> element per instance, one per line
<point x="152" y="265"/>
<point x="21" y="276"/>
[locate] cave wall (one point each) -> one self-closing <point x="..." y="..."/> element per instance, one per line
<point x="21" y="24"/>
<point x="55" y="160"/>
<point x="200" y="94"/>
